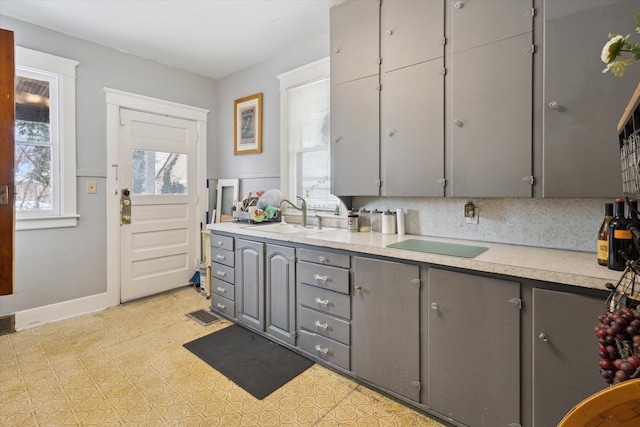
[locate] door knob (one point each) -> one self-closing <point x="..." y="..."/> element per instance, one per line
<point x="543" y="337"/>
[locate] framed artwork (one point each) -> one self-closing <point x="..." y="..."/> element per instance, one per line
<point x="248" y="125"/>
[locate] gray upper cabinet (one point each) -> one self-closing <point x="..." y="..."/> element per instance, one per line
<point x="412" y="98"/>
<point x="280" y="293"/>
<point x="490" y="123"/>
<point x="250" y="283"/>
<point x="565" y="355"/>
<point x="473" y="345"/>
<point x="480" y="22"/>
<point x="355" y="46"/>
<point x="386" y="325"/>
<point x="582" y="106"/>
<point x="411" y="32"/>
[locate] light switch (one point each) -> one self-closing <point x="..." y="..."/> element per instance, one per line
<point x="92" y="187"/>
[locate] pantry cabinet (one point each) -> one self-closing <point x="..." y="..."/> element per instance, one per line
<point x="565" y="356"/>
<point x="582" y="106"/>
<point x="473" y="346"/>
<point x="250" y="283"/>
<point x="386" y="325"/>
<point x="280" y="292"/>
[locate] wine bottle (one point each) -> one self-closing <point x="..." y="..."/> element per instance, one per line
<point x="619" y="237"/>
<point x="603" y="235"/>
<point x="633" y="220"/>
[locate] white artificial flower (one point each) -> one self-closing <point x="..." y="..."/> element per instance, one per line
<point x="606" y="55"/>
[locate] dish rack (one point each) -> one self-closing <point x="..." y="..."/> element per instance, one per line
<point x="629" y="139"/>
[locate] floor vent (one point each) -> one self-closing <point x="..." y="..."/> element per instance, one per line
<point x="7" y="324"/>
<point x="203" y="317"/>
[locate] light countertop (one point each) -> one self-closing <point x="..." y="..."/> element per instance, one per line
<point x="551" y="265"/>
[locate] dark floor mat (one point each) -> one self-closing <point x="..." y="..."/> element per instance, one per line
<point x="251" y="361"/>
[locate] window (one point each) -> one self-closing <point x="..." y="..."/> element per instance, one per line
<point x="305" y="162"/>
<point x="45" y="153"/>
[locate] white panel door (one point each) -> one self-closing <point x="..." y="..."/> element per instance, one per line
<point x="157" y="167"/>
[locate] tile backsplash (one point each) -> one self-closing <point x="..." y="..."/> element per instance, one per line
<point x="570" y="224"/>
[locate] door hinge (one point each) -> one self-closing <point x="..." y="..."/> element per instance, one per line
<point x="417" y="385"/>
<point x="416" y="282"/>
<point x="516" y="302"/>
<point x="530" y="179"/>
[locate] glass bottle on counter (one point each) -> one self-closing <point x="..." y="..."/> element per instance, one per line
<point x="633" y="220"/>
<point x="619" y="237"/>
<point x="603" y="235"/>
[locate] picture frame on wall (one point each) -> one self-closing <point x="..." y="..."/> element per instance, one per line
<point x="248" y="125"/>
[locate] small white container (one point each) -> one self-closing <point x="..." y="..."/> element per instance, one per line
<point x="389" y="222"/>
<point x="400" y="221"/>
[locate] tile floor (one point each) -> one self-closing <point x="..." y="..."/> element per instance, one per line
<point x="126" y="366"/>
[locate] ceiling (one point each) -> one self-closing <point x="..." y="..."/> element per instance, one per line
<point x="213" y="38"/>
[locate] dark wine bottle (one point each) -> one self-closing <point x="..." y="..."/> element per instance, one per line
<point x="603" y="235"/>
<point x="633" y="220"/>
<point x="619" y="237"/>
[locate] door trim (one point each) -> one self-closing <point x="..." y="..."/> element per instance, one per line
<point x="115" y="100"/>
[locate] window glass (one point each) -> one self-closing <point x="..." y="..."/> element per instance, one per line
<point x="156" y="172"/>
<point x="35" y="143"/>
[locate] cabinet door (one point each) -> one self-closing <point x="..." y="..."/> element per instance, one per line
<point x="386" y="325"/>
<point x="480" y="22"/>
<point x="355" y="144"/>
<point x="411" y="32"/>
<point x="565" y="353"/>
<point x="355" y="45"/>
<point x="250" y="283"/>
<point x="281" y="293"/>
<point x="473" y="345"/>
<point x="582" y="106"/>
<point x="491" y="107"/>
<point x="412" y="100"/>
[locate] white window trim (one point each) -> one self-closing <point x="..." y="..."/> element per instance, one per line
<point x="297" y="77"/>
<point x="66" y="69"/>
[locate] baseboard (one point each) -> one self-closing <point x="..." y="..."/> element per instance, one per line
<point x="31" y="318"/>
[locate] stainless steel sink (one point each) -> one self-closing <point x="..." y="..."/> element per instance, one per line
<point x="281" y="228"/>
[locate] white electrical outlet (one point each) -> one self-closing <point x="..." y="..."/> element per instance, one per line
<point x="475" y="218"/>
<point x="92" y="187"/>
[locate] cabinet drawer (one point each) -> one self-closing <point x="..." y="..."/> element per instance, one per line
<point x="322" y="257"/>
<point x="323" y="324"/>
<point x="324" y="300"/>
<point x="223" y="256"/>
<point x="223" y="272"/>
<point x="336" y="279"/>
<point x="223" y="289"/>
<point x="222" y="242"/>
<point x="223" y="305"/>
<point x="324" y="348"/>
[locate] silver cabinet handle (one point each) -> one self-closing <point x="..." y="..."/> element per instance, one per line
<point x="221" y="306"/>
<point x="319" y="277"/>
<point x="322" y="301"/>
<point x="434" y="305"/>
<point x="220" y="256"/>
<point x="390" y="132"/>
<point x="219" y="242"/>
<point x="337" y="50"/>
<point x="458" y="123"/>
<point x="390" y="32"/>
<point x="543" y="337"/>
<point x="321" y="350"/>
<point x="321" y="259"/>
<point x="220" y="289"/>
<point x="321" y="325"/>
<point x="337" y="138"/>
<point x="358" y="288"/>
<point x="553" y="105"/>
<point x="459" y="5"/>
<point x="221" y="273"/>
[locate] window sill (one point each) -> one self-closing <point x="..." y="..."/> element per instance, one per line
<point x="37" y="223"/>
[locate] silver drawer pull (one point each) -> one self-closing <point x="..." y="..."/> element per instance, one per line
<point x="321" y="350"/>
<point x="322" y="301"/>
<point x="434" y="305"/>
<point x="321" y="325"/>
<point x="319" y="277"/>
<point x="221" y="273"/>
<point x="219" y="242"/>
<point x="221" y="289"/>
<point x="321" y="259"/>
<point x="220" y="256"/>
<point x="221" y="306"/>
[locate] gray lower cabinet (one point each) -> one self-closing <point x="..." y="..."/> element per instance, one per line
<point x="473" y="346"/>
<point x="386" y="325"/>
<point x="324" y="306"/>
<point x="223" y="274"/>
<point x="280" y="293"/>
<point x="250" y="283"/>
<point x="565" y="353"/>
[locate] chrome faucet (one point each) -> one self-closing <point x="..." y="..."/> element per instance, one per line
<point x="302" y="208"/>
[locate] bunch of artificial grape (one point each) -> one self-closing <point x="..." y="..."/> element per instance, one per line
<point x="619" y="330"/>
